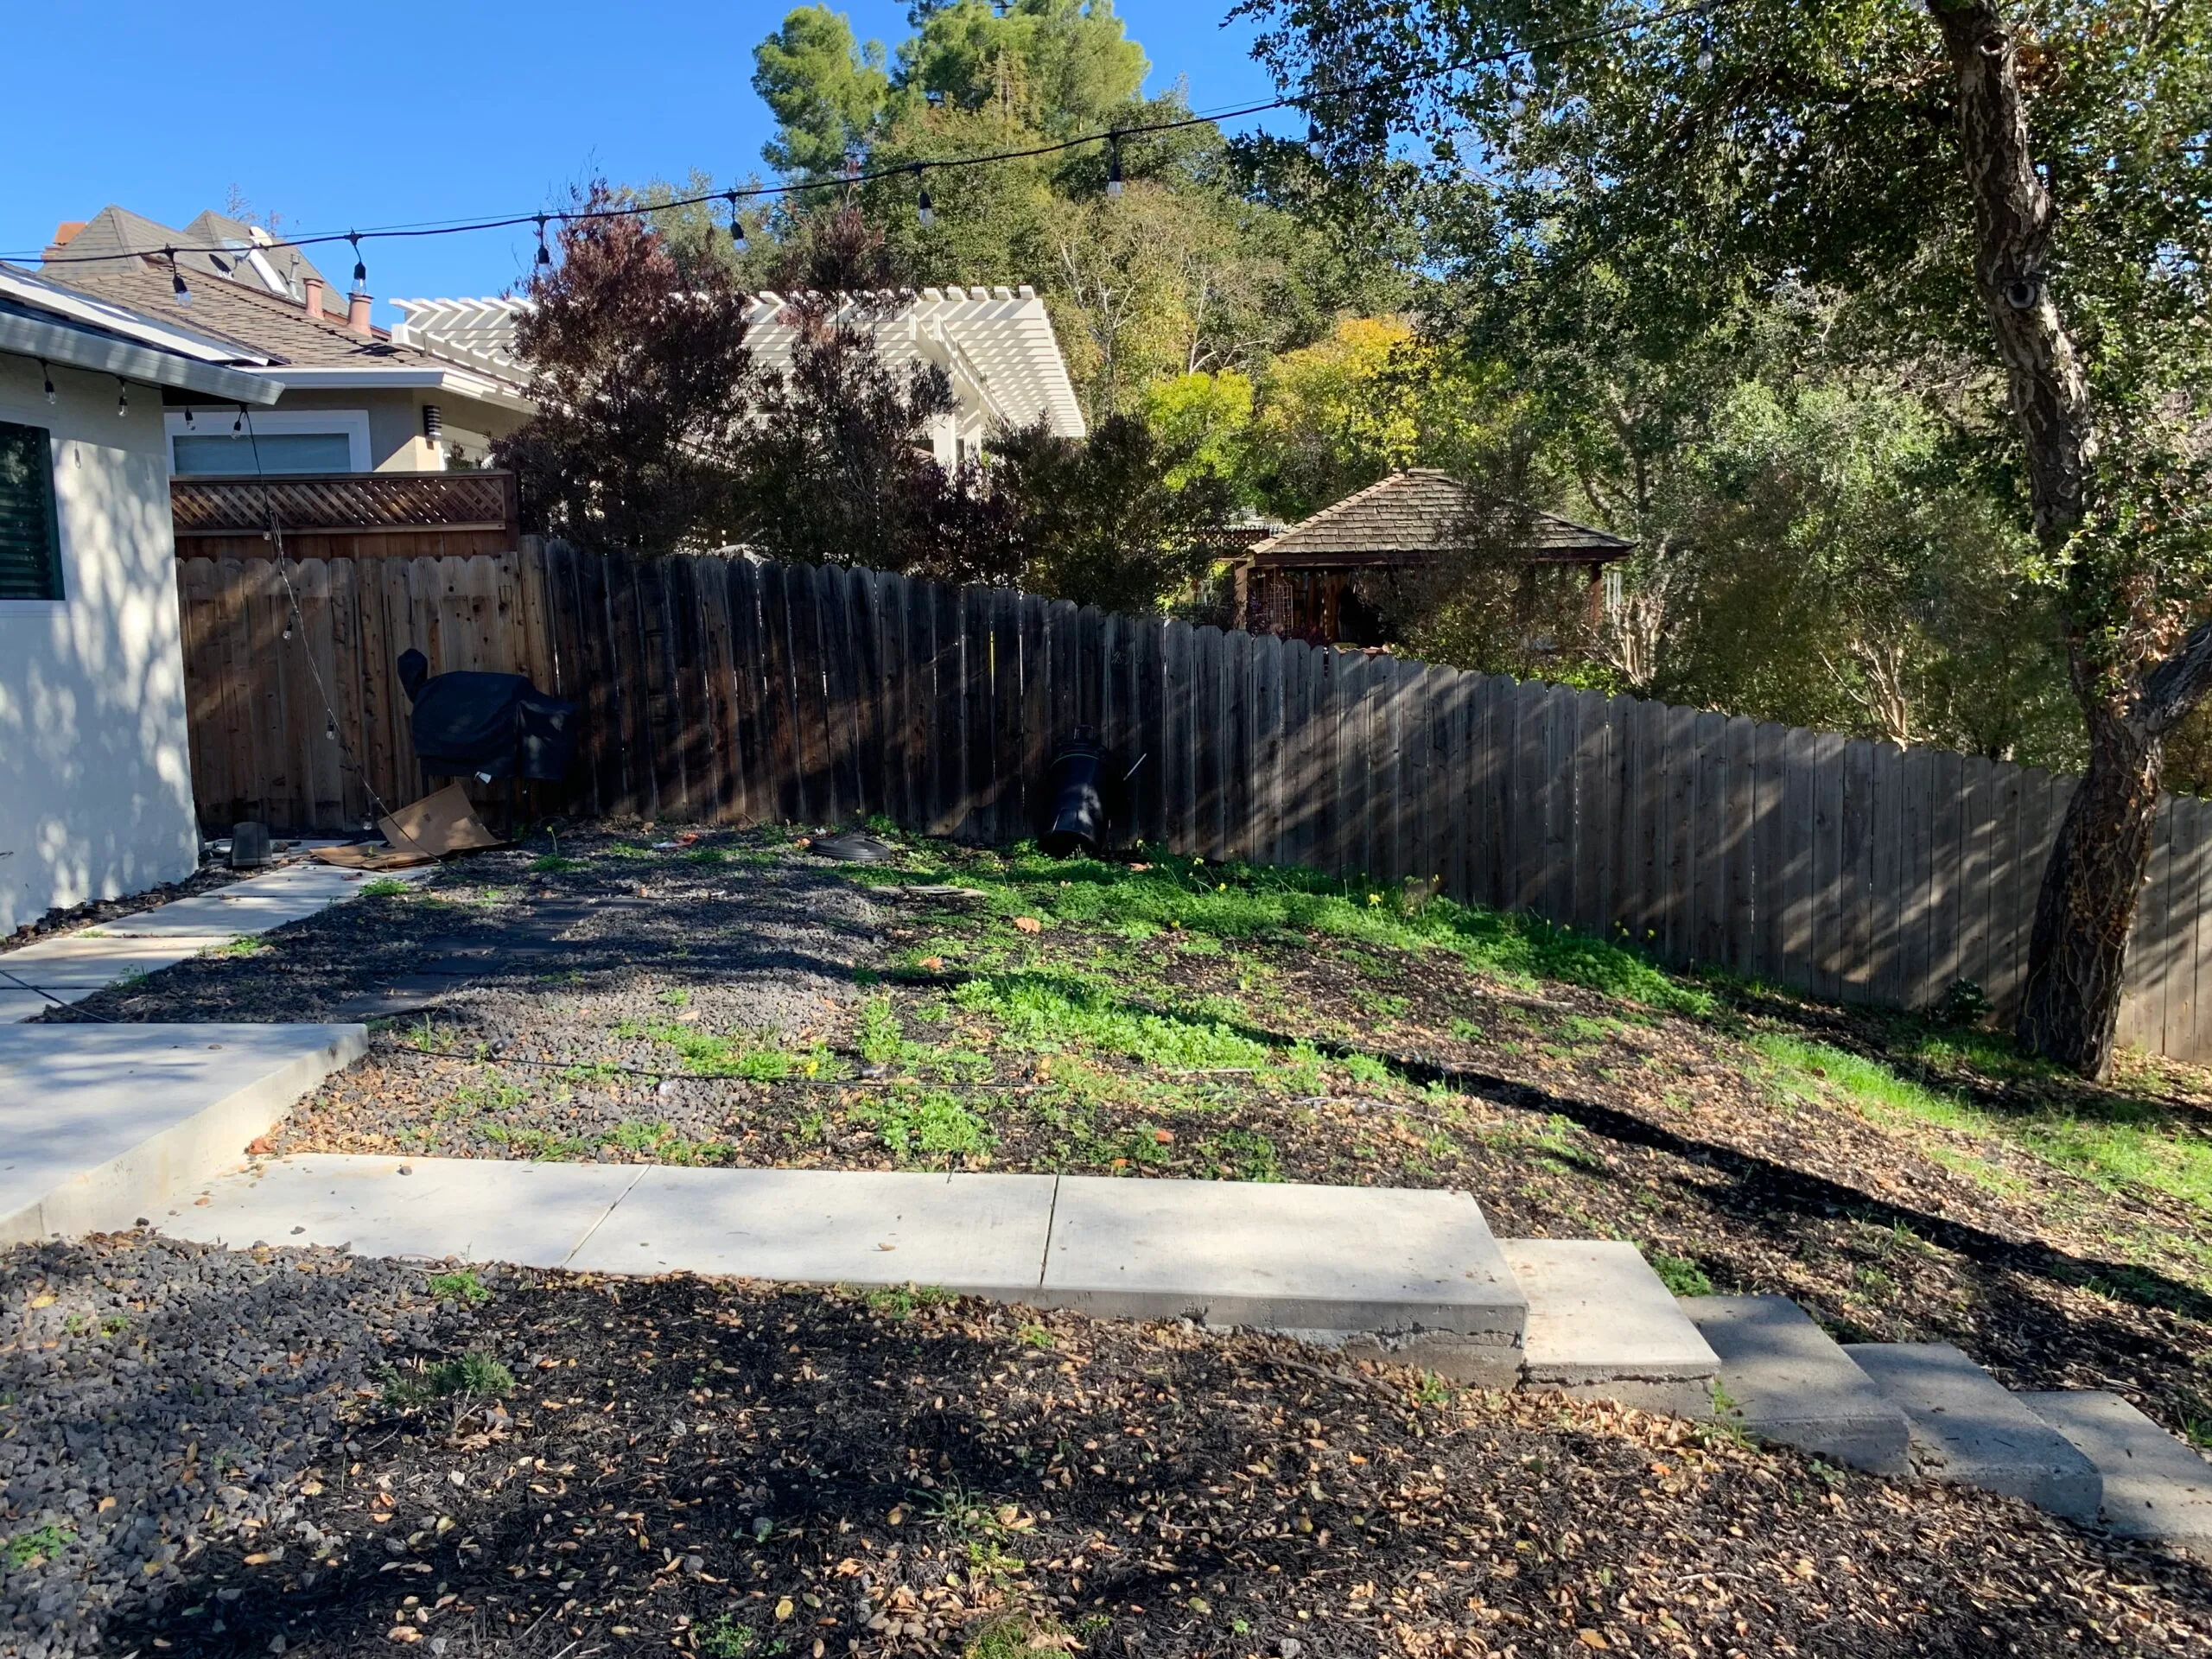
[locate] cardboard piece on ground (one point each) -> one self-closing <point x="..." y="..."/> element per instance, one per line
<point x="438" y="824"/>
<point x="365" y="857"/>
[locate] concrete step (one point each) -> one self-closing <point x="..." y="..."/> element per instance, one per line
<point x="1411" y="1275"/>
<point x="2155" y="1486"/>
<point x="1414" y="1276"/>
<point x="1601" y="1326"/>
<point x="1967" y="1428"/>
<point x="1784" y="1380"/>
<point x="101" y="1124"/>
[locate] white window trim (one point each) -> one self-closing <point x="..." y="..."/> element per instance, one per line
<point x="41" y="416"/>
<point x="214" y="421"/>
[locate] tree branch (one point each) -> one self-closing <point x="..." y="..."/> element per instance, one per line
<point x="2173" y="689"/>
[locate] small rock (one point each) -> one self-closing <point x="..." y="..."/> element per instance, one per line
<point x="694" y="1565"/>
<point x="407" y="1169"/>
<point x="1289" y="1647"/>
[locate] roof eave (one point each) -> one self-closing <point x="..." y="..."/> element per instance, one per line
<point x="82" y="348"/>
<point x="363" y="377"/>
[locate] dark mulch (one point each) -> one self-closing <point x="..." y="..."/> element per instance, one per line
<point x="728" y="1470"/>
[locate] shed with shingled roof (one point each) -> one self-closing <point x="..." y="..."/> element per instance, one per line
<point x="1307" y="581"/>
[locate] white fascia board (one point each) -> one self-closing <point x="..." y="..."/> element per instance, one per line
<point x="84" y="348"/>
<point x="65" y="302"/>
<point x="303" y="379"/>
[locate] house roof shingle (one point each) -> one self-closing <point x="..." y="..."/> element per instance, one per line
<point x="115" y="234"/>
<point x="256" y="320"/>
<point x="1416" y="514"/>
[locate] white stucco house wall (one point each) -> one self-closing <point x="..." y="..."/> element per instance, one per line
<point x="95" y="772"/>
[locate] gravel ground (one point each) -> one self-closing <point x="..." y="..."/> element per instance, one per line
<point x="731" y="1471"/>
<point x="734" y="999"/>
<point x="160" y="1401"/>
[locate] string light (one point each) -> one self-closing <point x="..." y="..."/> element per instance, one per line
<point x="49" y="373"/>
<point x="923" y="208"/>
<point x="122" y="397"/>
<point x="736" y="225"/>
<point x="1113" y="167"/>
<point x="189" y="423"/>
<point x="239" y="425"/>
<point x="176" y="281"/>
<point x="360" y="269"/>
<point x="852" y="174"/>
<point x="543" y="258"/>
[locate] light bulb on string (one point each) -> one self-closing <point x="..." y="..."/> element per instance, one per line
<point x="239" y="424"/>
<point x="1113" y="167"/>
<point x="736" y="225"/>
<point x="360" y="268"/>
<point x="122" y="398"/>
<point x="176" y="281"/>
<point x="924" y="208"/>
<point x="189" y="423"/>
<point x="545" y="258"/>
<point x="42" y="368"/>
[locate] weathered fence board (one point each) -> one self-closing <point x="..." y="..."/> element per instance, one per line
<point x="727" y="691"/>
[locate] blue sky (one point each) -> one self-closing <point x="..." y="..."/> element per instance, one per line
<point x="338" y="117"/>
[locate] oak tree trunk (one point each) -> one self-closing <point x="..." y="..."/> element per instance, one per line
<point x="2077" y="953"/>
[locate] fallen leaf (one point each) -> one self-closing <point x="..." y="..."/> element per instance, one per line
<point x="260" y="1146"/>
<point x="107" y="1503"/>
<point x="783" y="1610"/>
<point x="1028" y="925"/>
<point x="1165" y="1137"/>
<point x="932" y="965"/>
<point x="402" y="1633"/>
<point x="1592" y="1639"/>
<point x="898" y="1514"/>
<point x="886" y="1247"/>
<point x="42" y="1302"/>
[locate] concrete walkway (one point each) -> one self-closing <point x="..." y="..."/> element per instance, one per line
<point x="70" y="967"/>
<point x="1416" y="1272"/>
<point x="101" y="1125"/>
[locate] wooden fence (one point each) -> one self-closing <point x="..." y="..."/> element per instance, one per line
<point x="347" y="515"/>
<point x="718" y="690"/>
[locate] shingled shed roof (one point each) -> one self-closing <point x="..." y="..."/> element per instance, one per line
<point x="1415" y="514"/>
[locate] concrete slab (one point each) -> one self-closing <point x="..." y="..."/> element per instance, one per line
<point x="101" y="1124"/>
<point x="1602" y="1326"/>
<point x="984" y="1234"/>
<point x="76" y="962"/>
<point x="17" y="1005"/>
<point x="478" y="1210"/>
<point x="1384" y="1259"/>
<point x="1786" y="1381"/>
<point x="1968" y="1429"/>
<point x="2155" y="1486"/>
<point x="253" y="906"/>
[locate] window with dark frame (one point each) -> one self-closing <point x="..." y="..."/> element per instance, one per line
<point x="30" y="535"/>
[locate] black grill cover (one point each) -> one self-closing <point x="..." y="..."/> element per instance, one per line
<point x="489" y="725"/>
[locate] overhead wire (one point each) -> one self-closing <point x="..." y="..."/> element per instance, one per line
<point x="1112" y="138"/>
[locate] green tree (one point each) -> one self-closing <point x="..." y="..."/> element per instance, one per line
<point x="825" y="89"/>
<point x="2019" y="189"/>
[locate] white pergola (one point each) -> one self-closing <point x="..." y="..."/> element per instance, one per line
<point x="996" y="345"/>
